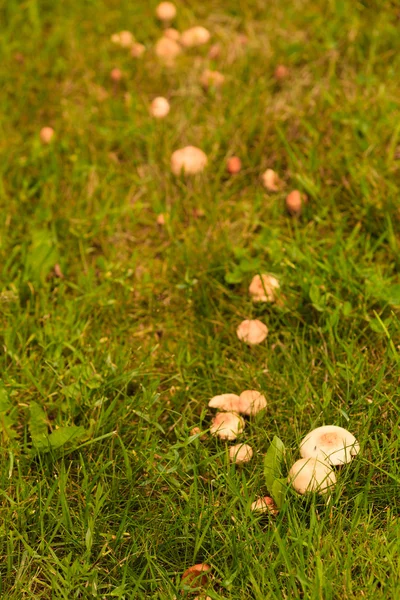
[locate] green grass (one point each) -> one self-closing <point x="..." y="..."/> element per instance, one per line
<point x="129" y="346"/>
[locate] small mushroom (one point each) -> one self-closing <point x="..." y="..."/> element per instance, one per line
<point x="252" y="331"/>
<point x="262" y="288"/>
<point x="228" y="402"/>
<point x="294" y="203"/>
<point x="240" y="453"/>
<point x="159" y="108"/>
<point x="227" y="425"/>
<point x="137" y="50"/>
<point x="281" y="72"/>
<point x="172" y="34"/>
<point x="271" y="180"/>
<point x="211" y="78"/>
<point x="311" y="475"/>
<point x="116" y="75"/>
<point x="330" y="443"/>
<point x="190" y="160"/>
<point x="264" y="505"/>
<point x="233" y="165"/>
<point x="251" y="402"/>
<point x="166" y="11"/>
<point x="196" y="576"/>
<point x="46" y="135"/>
<point x="125" y="39"/>
<point x="167" y="50"/>
<point x="195" y="36"/>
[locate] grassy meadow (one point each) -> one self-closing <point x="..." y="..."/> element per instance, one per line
<point x="122" y="286"/>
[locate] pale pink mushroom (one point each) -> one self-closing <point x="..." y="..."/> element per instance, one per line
<point x="125" y="39"/>
<point x="233" y="165"/>
<point x="271" y="180"/>
<point x="159" y="108"/>
<point x="189" y="160"/>
<point x="240" y="453"/>
<point x="166" y="11"/>
<point x="264" y="505"/>
<point x="46" y="135"/>
<point x="172" y="34"/>
<point x="211" y="78"/>
<point x="229" y="402"/>
<point x="252" y="331"/>
<point x="227" y="425"/>
<point x="167" y="50"/>
<point x="330" y="443"/>
<point x="294" y="202"/>
<point x="251" y="402"/>
<point x="137" y="50"/>
<point x="195" y="36"/>
<point x="311" y="475"/>
<point x="262" y="288"/>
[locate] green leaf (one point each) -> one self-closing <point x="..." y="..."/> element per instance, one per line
<point x="278" y="491"/>
<point x="272" y="462"/>
<point x="5" y="403"/>
<point x="38" y="425"/>
<point x="42" y="255"/>
<point x="64" y="435"/>
<point x="394" y="295"/>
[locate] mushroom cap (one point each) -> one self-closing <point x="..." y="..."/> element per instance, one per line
<point x="197" y="575"/>
<point x="262" y="288"/>
<point x="264" y="505"/>
<point x="281" y="72"/>
<point x="251" y="402"/>
<point x="167" y="49"/>
<point x="116" y="74"/>
<point x="137" y="50"/>
<point x="330" y="443"/>
<point x="211" y="78"/>
<point x="227" y="425"/>
<point x="125" y="39"/>
<point x="172" y="34"/>
<point x="166" y="11"/>
<point x="252" y="331"/>
<point x="190" y="160"/>
<point x="233" y="165"/>
<point x="240" y="453"/>
<point x="195" y="36"/>
<point x="270" y="180"/>
<point x="228" y="402"/>
<point x="311" y="475"/>
<point x="159" y="108"/>
<point x="46" y="134"/>
<point x="294" y="202"/>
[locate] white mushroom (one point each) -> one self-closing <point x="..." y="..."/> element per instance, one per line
<point x="172" y="34"/>
<point x="159" y="108"/>
<point x="137" y="50"/>
<point x="252" y="331"/>
<point x="190" y="160"/>
<point x="240" y="453"/>
<point x="271" y="180"/>
<point x="229" y="402"/>
<point x="46" y="135"/>
<point x="311" y="475"/>
<point x="125" y="39"/>
<point x="211" y="78"/>
<point x="167" y="50"/>
<point x="330" y="443"/>
<point x="264" y="505"/>
<point x="227" y="425"/>
<point x="294" y="203"/>
<point x="262" y="288"/>
<point x="195" y="36"/>
<point x="166" y="11"/>
<point x="251" y="402"/>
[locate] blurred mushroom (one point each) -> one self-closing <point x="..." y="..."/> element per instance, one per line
<point x="240" y="453"/>
<point x="166" y="11"/>
<point x="116" y="75"/>
<point x="159" y="108"/>
<point x="46" y="135"/>
<point x="252" y="331"/>
<point x="311" y="475"/>
<point x="251" y="402"/>
<point x="196" y="576"/>
<point x="211" y="78"/>
<point x="262" y="288"/>
<point x="167" y="50"/>
<point x="172" y="34"/>
<point x="281" y="72"/>
<point x="233" y="165"/>
<point x="330" y="443"/>
<point x="189" y="160"/>
<point x="195" y="36"/>
<point x="264" y="505"/>
<point x="214" y="51"/>
<point x="294" y="203"/>
<point x="271" y="180"/>
<point x="227" y="425"/>
<point x="137" y="50"/>
<point x="229" y="402"/>
<point x="125" y="39"/>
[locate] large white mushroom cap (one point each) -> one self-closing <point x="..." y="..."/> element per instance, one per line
<point x="251" y="402"/>
<point x="166" y="11"/>
<point x="190" y="160"/>
<point x="330" y="443"/>
<point x="229" y="402"/>
<point x="262" y="288"/>
<point x="240" y="453"/>
<point x="252" y="331"/>
<point x="227" y="425"/>
<point x="195" y="36"/>
<point x="311" y="475"/>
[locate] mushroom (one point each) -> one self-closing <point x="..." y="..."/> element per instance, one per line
<point x="46" y="134"/>
<point x="227" y="425"/>
<point x="125" y="39"/>
<point x="294" y="203"/>
<point x="311" y="475"/>
<point x="252" y="331"/>
<point x="211" y="78"/>
<point x="271" y="180"/>
<point x="251" y="402"/>
<point x="116" y="75"/>
<point x="229" y="402"/>
<point x="159" y="108"/>
<point x="195" y="36"/>
<point x="240" y="453"/>
<point x="262" y="288"/>
<point x="190" y="160"/>
<point x="137" y="50"/>
<point x="330" y="443"/>
<point x="281" y="72"/>
<point x="196" y="576"/>
<point x="233" y="165"/>
<point x="166" y="11"/>
<point x="172" y="34"/>
<point x="167" y="50"/>
<point x="264" y="505"/>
